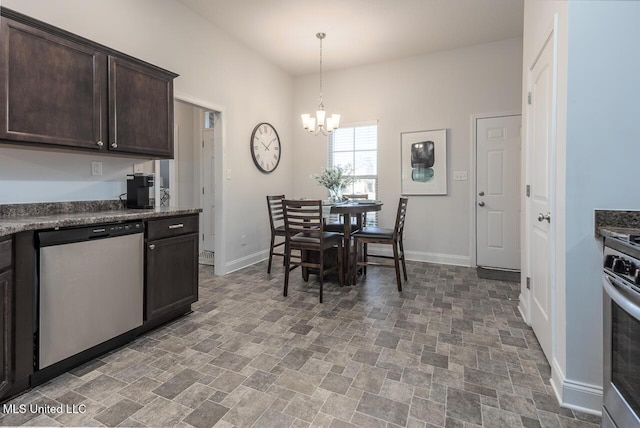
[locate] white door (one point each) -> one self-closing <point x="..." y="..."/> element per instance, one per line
<point x="541" y="135"/>
<point x="207" y="218"/>
<point x="498" y="144"/>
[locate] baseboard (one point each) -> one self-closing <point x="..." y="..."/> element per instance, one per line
<point x="384" y="250"/>
<point x="522" y="308"/>
<point x="246" y="261"/>
<point x="419" y="256"/>
<point x="583" y="397"/>
<point x="498" y="274"/>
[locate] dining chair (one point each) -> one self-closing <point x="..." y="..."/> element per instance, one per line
<point x="276" y="220"/>
<point x="335" y="223"/>
<point x="304" y="231"/>
<point x="378" y="235"/>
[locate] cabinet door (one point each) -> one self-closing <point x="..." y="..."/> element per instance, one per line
<point x="140" y="109"/>
<point x="52" y="90"/>
<point x="171" y="274"/>
<point x="6" y="333"/>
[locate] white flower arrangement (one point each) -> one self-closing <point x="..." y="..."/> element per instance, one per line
<point x="335" y="179"/>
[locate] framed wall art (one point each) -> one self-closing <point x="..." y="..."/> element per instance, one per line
<point x="424" y="162"/>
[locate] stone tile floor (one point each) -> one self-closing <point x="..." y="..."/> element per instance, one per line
<point x="449" y="351"/>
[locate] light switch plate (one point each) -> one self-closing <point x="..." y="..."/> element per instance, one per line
<point x="460" y="176"/>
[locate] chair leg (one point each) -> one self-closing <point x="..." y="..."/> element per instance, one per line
<point x="321" y="272"/>
<point x="404" y="265"/>
<point x="397" y="266"/>
<point x="271" y="253"/>
<point x="340" y="264"/>
<point x="364" y="258"/>
<point x="287" y="262"/>
<point x="354" y="274"/>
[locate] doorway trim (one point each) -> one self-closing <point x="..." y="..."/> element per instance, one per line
<point x="220" y="147"/>
<point x="473" y="255"/>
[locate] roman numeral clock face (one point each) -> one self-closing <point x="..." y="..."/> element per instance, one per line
<point x="265" y="147"/>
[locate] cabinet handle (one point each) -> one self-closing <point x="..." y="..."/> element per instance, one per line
<point x="152" y="246"/>
<point x="100" y="144"/>
<point x="114" y="145"/>
<point x="176" y="226"/>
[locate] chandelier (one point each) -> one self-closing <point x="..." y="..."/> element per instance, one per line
<point x="321" y="122"/>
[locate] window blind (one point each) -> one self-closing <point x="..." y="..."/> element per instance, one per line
<point x="356" y="147"/>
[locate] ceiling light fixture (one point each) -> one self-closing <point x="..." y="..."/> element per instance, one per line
<point x="320" y="123"/>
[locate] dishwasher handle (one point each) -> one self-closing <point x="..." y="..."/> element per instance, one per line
<point x="98" y="232"/>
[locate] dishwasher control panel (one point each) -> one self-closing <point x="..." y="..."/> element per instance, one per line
<point x="62" y="235"/>
<point x="116" y="229"/>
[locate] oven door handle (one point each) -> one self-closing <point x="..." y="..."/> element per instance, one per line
<point x="611" y="287"/>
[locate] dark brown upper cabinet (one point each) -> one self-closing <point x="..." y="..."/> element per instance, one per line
<point x="140" y="109"/>
<point x="53" y="88"/>
<point x="59" y="89"/>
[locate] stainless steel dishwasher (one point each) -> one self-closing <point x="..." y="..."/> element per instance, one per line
<point x="90" y="287"/>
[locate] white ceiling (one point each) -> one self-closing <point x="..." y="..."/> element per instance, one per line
<point x="359" y="31"/>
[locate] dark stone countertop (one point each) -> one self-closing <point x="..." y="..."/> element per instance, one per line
<point x="15" y="224"/>
<point x="616" y="223"/>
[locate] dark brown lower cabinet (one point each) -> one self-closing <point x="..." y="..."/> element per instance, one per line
<point x="6" y="332"/>
<point x="171" y="266"/>
<point x="17" y="260"/>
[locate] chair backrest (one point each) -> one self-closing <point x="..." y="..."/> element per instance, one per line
<point x="274" y="204"/>
<point x="357" y="196"/>
<point x="400" y="218"/>
<point x="303" y="216"/>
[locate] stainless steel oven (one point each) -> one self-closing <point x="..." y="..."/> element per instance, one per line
<point x="621" y="292"/>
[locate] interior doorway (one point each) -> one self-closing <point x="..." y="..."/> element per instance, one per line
<point x="207" y="181"/>
<point x="497" y="196"/>
<point x="193" y="177"/>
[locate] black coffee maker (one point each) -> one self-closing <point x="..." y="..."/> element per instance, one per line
<point x="138" y="190"/>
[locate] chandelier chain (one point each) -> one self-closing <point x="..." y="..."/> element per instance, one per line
<point x="321" y="36"/>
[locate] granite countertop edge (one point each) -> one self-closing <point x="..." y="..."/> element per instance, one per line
<point x="11" y="225"/>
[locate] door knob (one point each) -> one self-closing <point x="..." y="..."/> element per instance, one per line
<point x="114" y="145"/>
<point x="481" y="193"/>
<point x="542" y="217"/>
<point x="481" y="203"/>
<point x="152" y="246"/>
<point x="100" y="144"/>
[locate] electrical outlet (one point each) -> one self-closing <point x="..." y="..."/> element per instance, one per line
<point x="460" y="176"/>
<point x="228" y="174"/>
<point x="243" y="240"/>
<point x="96" y="168"/>
<point x="138" y="168"/>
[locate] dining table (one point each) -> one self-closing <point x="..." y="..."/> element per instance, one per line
<point x="348" y="210"/>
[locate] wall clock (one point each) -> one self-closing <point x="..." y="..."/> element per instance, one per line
<point x="265" y="147"/>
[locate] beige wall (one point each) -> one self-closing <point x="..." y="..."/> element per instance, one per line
<point x="441" y="90"/>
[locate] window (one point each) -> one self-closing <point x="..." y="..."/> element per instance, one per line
<point x="357" y="147"/>
<point x="209" y="117"/>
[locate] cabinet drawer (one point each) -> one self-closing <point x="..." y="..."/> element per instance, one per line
<point x="5" y="254"/>
<point x="164" y="228"/>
